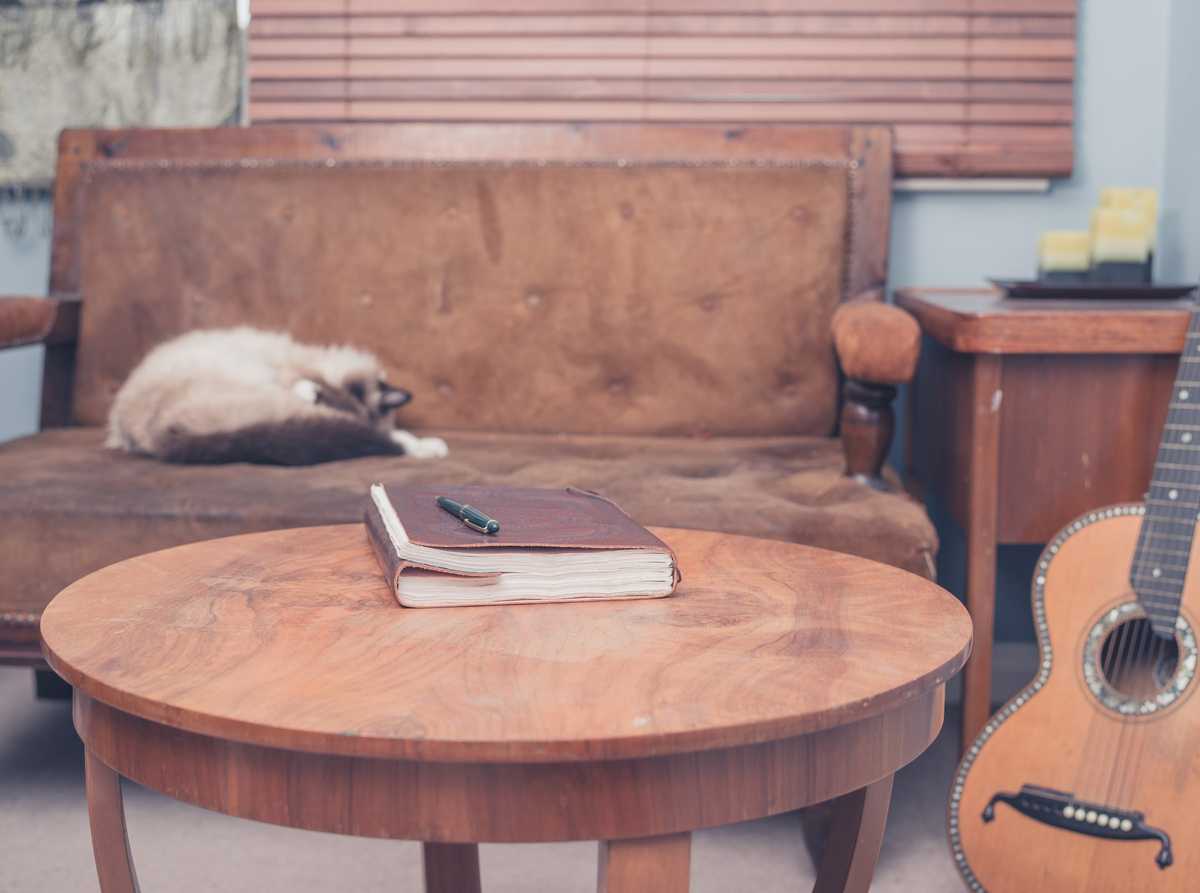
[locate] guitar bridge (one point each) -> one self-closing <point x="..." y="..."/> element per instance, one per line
<point x="1061" y="810"/>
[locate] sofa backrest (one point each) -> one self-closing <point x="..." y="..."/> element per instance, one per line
<point x="518" y="279"/>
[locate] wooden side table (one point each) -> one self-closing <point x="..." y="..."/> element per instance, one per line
<point x="1027" y="413"/>
<point x="272" y="676"/>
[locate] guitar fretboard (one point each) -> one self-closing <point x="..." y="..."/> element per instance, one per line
<point x="1173" y="501"/>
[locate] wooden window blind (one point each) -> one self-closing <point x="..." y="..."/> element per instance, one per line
<point x="971" y="87"/>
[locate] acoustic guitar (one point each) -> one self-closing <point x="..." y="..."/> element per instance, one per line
<point x="1089" y="779"/>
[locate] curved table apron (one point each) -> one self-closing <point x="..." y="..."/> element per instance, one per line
<point x="767" y="637"/>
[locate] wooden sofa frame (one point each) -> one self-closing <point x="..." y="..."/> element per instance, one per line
<point x="866" y="415"/>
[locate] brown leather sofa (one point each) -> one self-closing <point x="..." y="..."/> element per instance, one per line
<point x="643" y="310"/>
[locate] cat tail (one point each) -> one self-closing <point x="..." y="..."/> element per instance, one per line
<point x="303" y="441"/>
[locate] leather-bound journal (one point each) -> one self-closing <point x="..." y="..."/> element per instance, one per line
<point x="552" y="546"/>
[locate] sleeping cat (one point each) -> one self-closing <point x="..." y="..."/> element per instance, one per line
<point x="244" y="395"/>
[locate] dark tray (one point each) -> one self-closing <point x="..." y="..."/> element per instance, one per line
<point x="1121" y="291"/>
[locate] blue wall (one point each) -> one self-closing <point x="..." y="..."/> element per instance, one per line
<point x="1120" y="134"/>
<point x="1180" y="246"/>
<point x="24" y="270"/>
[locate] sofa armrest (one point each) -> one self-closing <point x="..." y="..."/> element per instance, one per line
<point x="877" y="346"/>
<point x="876" y="342"/>
<point x="47" y="321"/>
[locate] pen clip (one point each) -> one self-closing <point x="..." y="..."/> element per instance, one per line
<point x="476" y="527"/>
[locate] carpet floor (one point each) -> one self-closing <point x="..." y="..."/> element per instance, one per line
<point x="45" y="846"/>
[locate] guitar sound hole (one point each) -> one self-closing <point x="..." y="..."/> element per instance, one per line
<point x="1135" y="662"/>
<point x="1133" y="672"/>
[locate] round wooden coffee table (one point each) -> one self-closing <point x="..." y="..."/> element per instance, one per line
<point x="273" y="677"/>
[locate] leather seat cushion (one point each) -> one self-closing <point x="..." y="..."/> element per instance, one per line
<point x="68" y="506"/>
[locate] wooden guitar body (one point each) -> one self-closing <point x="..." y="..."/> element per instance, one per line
<point x="1062" y="791"/>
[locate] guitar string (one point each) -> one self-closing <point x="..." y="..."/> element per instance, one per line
<point x="1125" y="661"/>
<point x="1091" y="772"/>
<point x="1188" y="481"/>
<point x="1131" y="736"/>
<point x="1107" y="746"/>
<point x="1123" y="680"/>
<point x="1127" y="773"/>
<point x="1127" y="763"/>
<point x="1128" y="787"/>
<point x="1124" y="683"/>
<point x="1098" y="739"/>
<point x="1120" y="675"/>
<point x="1133" y="733"/>
<point x="1108" y="752"/>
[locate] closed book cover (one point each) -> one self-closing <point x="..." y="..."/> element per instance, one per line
<point x="553" y="545"/>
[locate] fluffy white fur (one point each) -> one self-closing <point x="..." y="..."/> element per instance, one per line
<point x="218" y="380"/>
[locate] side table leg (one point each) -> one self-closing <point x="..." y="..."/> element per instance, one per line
<point x="855" y="835"/>
<point x="982" y="510"/>
<point x="451" y="867"/>
<point x="661" y="864"/>
<point x="110" y="841"/>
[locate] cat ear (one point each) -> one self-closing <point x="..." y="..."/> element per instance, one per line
<point x="392" y="398"/>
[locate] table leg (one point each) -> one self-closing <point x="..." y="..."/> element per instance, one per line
<point x="855" y="835"/>
<point x="661" y="864"/>
<point x="110" y="840"/>
<point x="451" y="867"/>
<point x="982" y="498"/>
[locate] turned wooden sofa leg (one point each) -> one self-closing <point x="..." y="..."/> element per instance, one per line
<point x="867" y="424"/>
<point x="451" y="867"/>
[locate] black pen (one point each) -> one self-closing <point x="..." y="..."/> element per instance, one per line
<point x="472" y="517"/>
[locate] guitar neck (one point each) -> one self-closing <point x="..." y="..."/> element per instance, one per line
<point x="1160" y="562"/>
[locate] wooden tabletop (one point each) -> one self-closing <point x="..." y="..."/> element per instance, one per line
<point x="291" y="639"/>
<point x="982" y="320"/>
